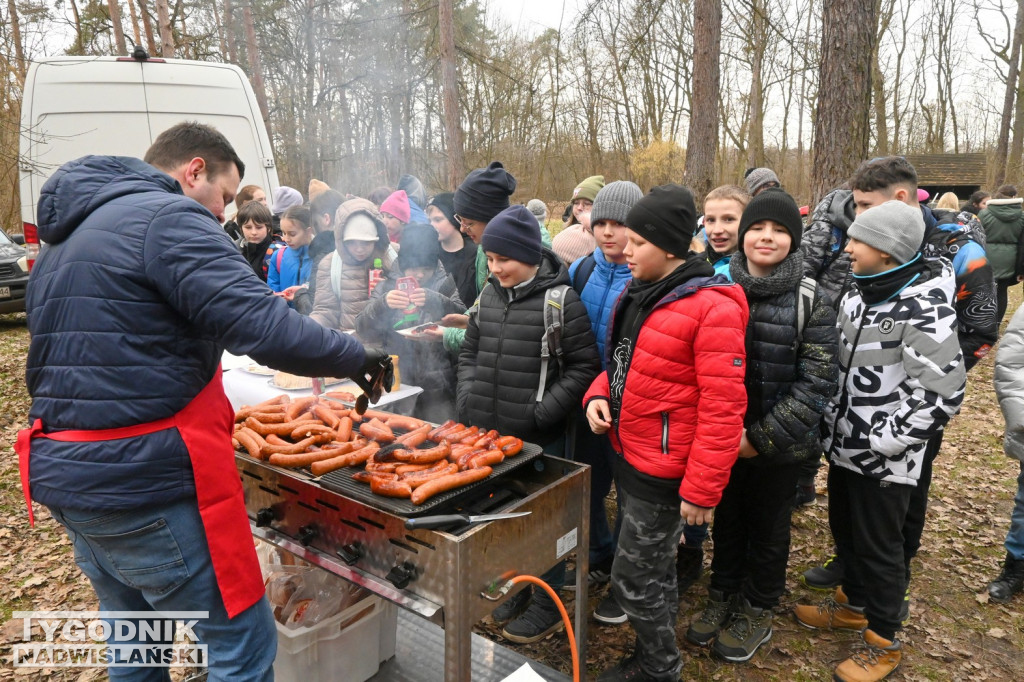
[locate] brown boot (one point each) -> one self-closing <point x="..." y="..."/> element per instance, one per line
<point x="830" y="615"/>
<point x="872" y="660"/>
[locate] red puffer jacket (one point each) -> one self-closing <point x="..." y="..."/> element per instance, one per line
<point x="684" y="398"/>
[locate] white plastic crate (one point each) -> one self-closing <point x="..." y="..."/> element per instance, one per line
<point x="330" y="651"/>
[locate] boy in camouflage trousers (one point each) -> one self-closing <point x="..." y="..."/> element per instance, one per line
<point x="675" y="351"/>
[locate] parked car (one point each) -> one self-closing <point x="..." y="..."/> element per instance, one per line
<point x="13" y="275"/>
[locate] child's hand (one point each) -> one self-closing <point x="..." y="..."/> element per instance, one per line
<point x="746" y="449"/>
<point x="455" y="321"/>
<point x="694" y="515"/>
<point x="599" y="415"/>
<point x="418" y="297"/>
<point x="397" y="300"/>
<point x="289" y="293"/>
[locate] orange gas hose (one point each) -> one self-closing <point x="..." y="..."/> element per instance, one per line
<point x="561" y="609"/>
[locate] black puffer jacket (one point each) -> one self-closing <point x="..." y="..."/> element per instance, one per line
<point x="423" y="363"/>
<point x="823" y="241"/>
<point x="499" y="365"/>
<point x="789" y="380"/>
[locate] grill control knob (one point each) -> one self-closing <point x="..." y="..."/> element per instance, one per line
<point x="265" y="516"/>
<point x="351" y="553"/>
<point x="307" y="534"/>
<point x="401" y="575"/>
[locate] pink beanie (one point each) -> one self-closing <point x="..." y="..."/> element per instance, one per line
<point x="397" y="205"/>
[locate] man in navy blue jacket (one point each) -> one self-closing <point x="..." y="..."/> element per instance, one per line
<point x="131" y="304"/>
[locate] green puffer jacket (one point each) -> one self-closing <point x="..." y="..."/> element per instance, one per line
<point x="1004" y="222"/>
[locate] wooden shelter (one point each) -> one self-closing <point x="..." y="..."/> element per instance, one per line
<point x="961" y="174"/>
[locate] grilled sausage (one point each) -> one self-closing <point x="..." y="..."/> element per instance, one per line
<point x="433" y="435"/>
<point x="357" y="457"/>
<point x="415" y="437"/>
<point x="297" y="407"/>
<point x="377" y="430"/>
<point x="448" y="482"/>
<point x="427" y="456"/>
<point x="509" y="445"/>
<point x="284" y="429"/>
<point x="344" y="429"/>
<point x="388" y="487"/>
<point x="311" y="429"/>
<point x="397" y="421"/>
<point x="296" y="448"/>
<point x="251" y="441"/>
<point x="303" y="459"/>
<point x="327" y="416"/>
<point x="489" y="458"/>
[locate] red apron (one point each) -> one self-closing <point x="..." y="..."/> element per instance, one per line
<point x="205" y="425"/>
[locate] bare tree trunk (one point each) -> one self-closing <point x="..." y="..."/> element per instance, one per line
<point x="135" y="22"/>
<point x="842" y="127"/>
<point x="115" y="20"/>
<point x="702" y="138"/>
<point x="19" y="50"/>
<point x="229" y="32"/>
<point x="79" y="47"/>
<point x="755" y="115"/>
<point x="450" y="92"/>
<point x="163" y="20"/>
<point x="1008" y="97"/>
<point x="147" y="26"/>
<point x="255" y="67"/>
<point x="1013" y="164"/>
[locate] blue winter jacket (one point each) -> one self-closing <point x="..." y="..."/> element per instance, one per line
<point x="295" y="269"/>
<point x="131" y="304"/>
<point x="600" y="292"/>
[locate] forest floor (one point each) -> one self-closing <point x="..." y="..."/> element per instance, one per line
<point x="954" y="632"/>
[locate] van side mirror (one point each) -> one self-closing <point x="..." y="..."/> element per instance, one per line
<point x="18" y="239"/>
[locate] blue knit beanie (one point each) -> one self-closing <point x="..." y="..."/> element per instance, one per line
<point x="514" y="233"/>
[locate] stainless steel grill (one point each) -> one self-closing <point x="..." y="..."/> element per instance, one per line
<point x="437" y="574"/>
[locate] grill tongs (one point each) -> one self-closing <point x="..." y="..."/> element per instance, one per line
<point x="373" y="384"/>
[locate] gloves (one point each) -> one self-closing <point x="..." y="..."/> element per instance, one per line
<point x="376" y="370"/>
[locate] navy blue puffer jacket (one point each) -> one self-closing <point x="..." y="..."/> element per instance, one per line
<point x="130" y="306"/>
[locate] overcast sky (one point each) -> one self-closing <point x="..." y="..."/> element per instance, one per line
<point x="536" y="15"/>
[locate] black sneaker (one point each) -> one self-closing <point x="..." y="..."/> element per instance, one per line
<point x="749" y="628"/>
<point x="711" y="620"/>
<point x="1009" y="582"/>
<point x="515" y="605"/>
<point x="828" y="576"/>
<point x="806" y="496"/>
<point x="626" y="670"/>
<point x="599" y="574"/>
<point x="689" y="566"/>
<point x="540" y="619"/>
<point x="609" y="611"/>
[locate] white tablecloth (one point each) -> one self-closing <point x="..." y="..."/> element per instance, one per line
<point x="246" y="388"/>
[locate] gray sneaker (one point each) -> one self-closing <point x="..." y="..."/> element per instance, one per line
<point x="828" y="576"/>
<point x="609" y="611"/>
<point x="749" y="628"/>
<point x="711" y="620"/>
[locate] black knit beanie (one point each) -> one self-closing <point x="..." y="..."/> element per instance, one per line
<point x="420" y="247"/>
<point x="666" y="217"/>
<point x="776" y="205"/>
<point x="513" y="233"/>
<point x="485" y="192"/>
<point x="445" y="203"/>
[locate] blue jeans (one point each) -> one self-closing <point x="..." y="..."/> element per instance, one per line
<point x="156" y="559"/>
<point x="1015" y="538"/>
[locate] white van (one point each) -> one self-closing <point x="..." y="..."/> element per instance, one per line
<point x="74" y="106"/>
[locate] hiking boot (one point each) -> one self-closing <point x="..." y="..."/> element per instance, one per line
<point x="715" y="614"/>
<point x="1009" y="582"/>
<point x="689" y="566"/>
<point x="609" y="611"/>
<point x="872" y="660"/>
<point x="806" y="496"/>
<point x="904" y="616"/>
<point x="515" y="605"/>
<point x="599" y="574"/>
<point x="749" y="628"/>
<point x="828" y="576"/>
<point x="830" y="615"/>
<point x="540" y="619"/>
<point x="626" y="670"/>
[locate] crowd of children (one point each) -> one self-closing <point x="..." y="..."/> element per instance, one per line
<point x="701" y="366"/>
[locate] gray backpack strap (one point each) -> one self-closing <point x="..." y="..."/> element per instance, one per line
<point x="804" y="305"/>
<point x="551" y="339"/>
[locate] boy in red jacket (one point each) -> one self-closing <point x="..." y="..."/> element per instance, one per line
<point x="672" y="401"/>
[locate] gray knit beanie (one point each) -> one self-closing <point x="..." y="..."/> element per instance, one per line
<point x="614" y="201"/>
<point x="759" y="177"/>
<point x="538" y="208"/>
<point x="893" y="228"/>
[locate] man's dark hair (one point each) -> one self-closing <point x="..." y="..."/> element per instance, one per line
<point x="883" y="173"/>
<point x="1006" y="192"/>
<point x="181" y="143"/>
<point x="326" y="202"/>
<point x="379" y="194"/>
<point x="978" y="197"/>
<point x="256" y="212"/>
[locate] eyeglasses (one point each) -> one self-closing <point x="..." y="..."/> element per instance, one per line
<point x="464" y="222"/>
